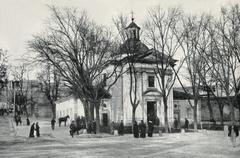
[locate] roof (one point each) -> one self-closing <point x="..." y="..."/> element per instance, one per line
<point x="133" y="46"/>
<point x="179" y="94"/>
<point x="144" y="55"/>
<point x="132" y="25"/>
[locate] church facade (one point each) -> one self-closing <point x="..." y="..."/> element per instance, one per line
<point x="148" y="91"/>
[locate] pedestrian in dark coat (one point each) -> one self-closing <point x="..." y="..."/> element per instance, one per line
<point x="175" y="123"/>
<point x="121" y="128"/>
<point x="19" y="119"/>
<point x="53" y="121"/>
<point x="78" y="122"/>
<point x="142" y="128"/>
<point x="72" y="128"/>
<point x="32" y="128"/>
<point x="150" y="129"/>
<point x="94" y="127"/>
<point x="28" y="121"/>
<point x="186" y="123"/>
<point x="233" y="133"/>
<point x="135" y="130"/>
<point x="37" y="130"/>
<point x="112" y="128"/>
<point x="90" y="127"/>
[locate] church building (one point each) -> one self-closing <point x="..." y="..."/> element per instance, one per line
<point x="148" y="92"/>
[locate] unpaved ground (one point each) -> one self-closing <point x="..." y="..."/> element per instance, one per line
<point x="58" y="143"/>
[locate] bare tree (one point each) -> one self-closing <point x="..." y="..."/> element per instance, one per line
<point x="222" y="58"/>
<point x="22" y="88"/>
<point x="161" y="28"/>
<point x="194" y="34"/>
<point x="130" y="48"/>
<point x="81" y="52"/>
<point x="50" y="81"/>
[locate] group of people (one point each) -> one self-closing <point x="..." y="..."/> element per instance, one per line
<point x="117" y="126"/>
<point x="176" y="124"/>
<point x="34" y="129"/>
<point x="81" y="124"/>
<point x="139" y="130"/>
<point x="18" y="119"/>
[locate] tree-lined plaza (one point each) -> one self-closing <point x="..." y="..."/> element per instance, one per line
<point x="104" y="81"/>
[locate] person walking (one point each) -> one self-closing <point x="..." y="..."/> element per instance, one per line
<point x="78" y="124"/>
<point x="53" y="121"/>
<point x="90" y="127"/>
<point x="186" y="123"/>
<point x="112" y="128"/>
<point x="32" y="128"/>
<point x="233" y="133"/>
<point x="121" y="128"/>
<point x="37" y="130"/>
<point x="150" y="128"/>
<point x="135" y="130"/>
<point x="28" y="121"/>
<point x="142" y="128"/>
<point x="20" y="119"/>
<point x="94" y="127"/>
<point x="175" y="123"/>
<point x="72" y="128"/>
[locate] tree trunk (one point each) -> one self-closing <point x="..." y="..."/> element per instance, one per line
<point x="86" y="111"/>
<point x="232" y="109"/>
<point x="54" y="110"/>
<point x="133" y="116"/>
<point x="91" y="111"/>
<point x="221" y="114"/>
<point x="166" y="125"/>
<point x="209" y="106"/>
<point x="195" y="114"/>
<point x="97" y="105"/>
<point x="238" y="111"/>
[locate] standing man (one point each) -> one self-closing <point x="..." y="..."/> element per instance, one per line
<point x="53" y="121"/>
<point x="175" y="123"/>
<point x="37" y="130"/>
<point x="72" y="128"/>
<point x="112" y="128"/>
<point x="135" y="130"/>
<point x="94" y="127"/>
<point x="233" y="133"/>
<point x="28" y="121"/>
<point x="142" y="128"/>
<point x="121" y="128"/>
<point x="90" y="127"/>
<point x="186" y="123"/>
<point x="31" y="134"/>
<point x="150" y="129"/>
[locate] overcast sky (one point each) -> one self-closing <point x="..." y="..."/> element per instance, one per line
<point x="19" y="19"/>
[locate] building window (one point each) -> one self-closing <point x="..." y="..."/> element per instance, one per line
<point x="151" y="81"/>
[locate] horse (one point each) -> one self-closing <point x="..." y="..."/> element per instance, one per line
<point x="63" y="119"/>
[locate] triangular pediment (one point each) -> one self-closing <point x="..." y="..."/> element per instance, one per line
<point x="152" y="92"/>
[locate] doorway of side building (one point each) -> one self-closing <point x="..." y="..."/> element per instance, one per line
<point x="152" y="111"/>
<point x="105" y="119"/>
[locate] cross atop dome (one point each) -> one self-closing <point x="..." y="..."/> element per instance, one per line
<point x="132" y="29"/>
<point x="132" y="16"/>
